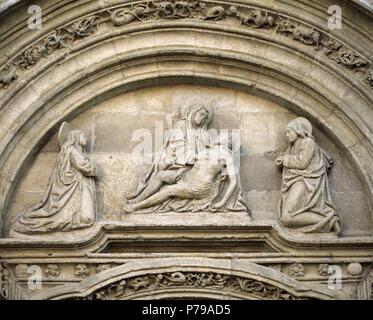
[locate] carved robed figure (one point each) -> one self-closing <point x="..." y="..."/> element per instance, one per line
<point x="178" y="181"/>
<point x="186" y="138"/>
<point x="70" y="200"/>
<point x="306" y="204"/>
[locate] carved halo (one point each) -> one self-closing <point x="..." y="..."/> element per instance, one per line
<point x="63" y="132"/>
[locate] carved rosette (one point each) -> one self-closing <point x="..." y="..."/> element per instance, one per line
<point x="64" y="37"/>
<point x="52" y="270"/>
<point x="296" y="270"/>
<point x="82" y="271"/>
<point x="187" y="280"/>
<point x="20" y="270"/>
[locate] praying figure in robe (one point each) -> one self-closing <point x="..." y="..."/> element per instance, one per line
<point x="70" y="200"/>
<point x="306" y="204"/>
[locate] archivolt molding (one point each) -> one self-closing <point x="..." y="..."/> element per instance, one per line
<point x="290" y="62"/>
<point x="33" y="107"/>
<point x="201" y="276"/>
<point x="125" y="14"/>
<point x="76" y="93"/>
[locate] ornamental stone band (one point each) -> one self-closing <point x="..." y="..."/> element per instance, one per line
<point x="186" y="150"/>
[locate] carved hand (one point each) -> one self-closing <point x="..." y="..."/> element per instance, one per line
<point x="279" y="160"/>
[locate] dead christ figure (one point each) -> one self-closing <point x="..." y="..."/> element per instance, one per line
<point x="201" y="184"/>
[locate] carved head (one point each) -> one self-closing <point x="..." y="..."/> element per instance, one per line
<point x="82" y="139"/>
<point x="299" y="127"/>
<point x="291" y="135"/>
<point x="74" y="138"/>
<point x="182" y="9"/>
<point x="255" y="13"/>
<point x="166" y="9"/>
<point x="77" y="137"/>
<point x="199" y="116"/>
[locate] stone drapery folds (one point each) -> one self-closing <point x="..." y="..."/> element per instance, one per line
<point x="70" y="200"/>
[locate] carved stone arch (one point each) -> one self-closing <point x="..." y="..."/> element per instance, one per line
<point x="69" y="86"/>
<point x="190" y="278"/>
<point x="249" y="47"/>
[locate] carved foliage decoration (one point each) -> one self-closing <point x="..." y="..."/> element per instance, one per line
<point x="156" y="10"/>
<point x="9" y="288"/>
<point x="8" y="75"/>
<point x="210" y="280"/>
<point x="103" y="267"/>
<point x="52" y="270"/>
<point x="304" y="34"/>
<point x="4" y="281"/>
<point x="65" y="36"/>
<point x="82" y="271"/>
<point x="369" y="77"/>
<point x="21" y="270"/>
<point x="340" y="54"/>
<point x="57" y="39"/>
<point x="324" y="270"/>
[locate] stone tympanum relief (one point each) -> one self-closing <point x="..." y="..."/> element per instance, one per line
<point x="70" y="200"/>
<point x="190" y="168"/>
<point x="306" y="203"/>
<point x="192" y="172"/>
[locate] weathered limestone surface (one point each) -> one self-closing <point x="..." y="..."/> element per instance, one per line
<point x="117" y="71"/>
<point x="112" y="124"/>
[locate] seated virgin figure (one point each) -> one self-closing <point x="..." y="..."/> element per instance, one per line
<point x="201" y="187"/>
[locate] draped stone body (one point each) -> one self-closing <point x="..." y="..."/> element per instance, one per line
<point x="306" y="201"/>
<point x="69" y="202"/>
